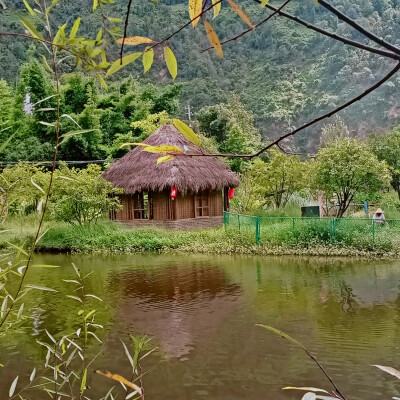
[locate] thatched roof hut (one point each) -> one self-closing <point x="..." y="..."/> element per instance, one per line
<point x="200" y="182"/>
<point x="138" y="170"/>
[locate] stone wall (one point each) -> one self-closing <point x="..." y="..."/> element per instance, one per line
<point x="180" y="224"/>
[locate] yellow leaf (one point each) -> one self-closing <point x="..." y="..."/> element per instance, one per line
<point x="134" y="40"/>
<point x="121" y="379"/>
<point x="213" y="38"/>
<point x="264" y="3"/>
<point x="164" y="148"/>
<point x="241" y="13"/>
<point x="133" y="144"/>
<point x="116" y="65"/>
<point x="95" y="4"/>
<point x="148" y="57"/>
<point x="171" y="62"/>
<point x="217" y="7"/>
<point x="186" y="131"/>
<point x="195" y="8"/>
<point x="164" y="159"/>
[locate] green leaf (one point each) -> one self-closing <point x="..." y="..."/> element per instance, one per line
<point x="89" y="314"/>
<point x="170" y="59"/>
<point x="74" y="298"/>
<point x="95" y="4"/>
<point x="128" y="354"/>
<point x="103" y="83"/>
<point x="116" y="65"/>
<point x="37" y="186"/>
<point x="5" y="144"/>
<point x="28" y="7"/>
<point x="83" y="383"/>
<point x="75" y="28"/>
<point x="280" y="333"/>
<point x="43" y="288"/>
<point x="31" y="29"/>
<point x="148" y="57"/>
<point x="99" y="35"/>
<point x="60" y="35"/>
<point x="3" y="307"/>
<point x="46" y="98"/>
<point x="68" y="135"/>
<point x="20" y="311"/>
<point x="33" y="374"/>
<point x="111" y="19"/>
<point x="186" y="131"/>
<point x="12" y="387"/>
<point x="21" y="250"/>
<point x="45" y="266"/>
<point x="46" y="123"/>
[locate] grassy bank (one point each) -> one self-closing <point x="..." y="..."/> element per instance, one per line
<point x="105" y="236"/>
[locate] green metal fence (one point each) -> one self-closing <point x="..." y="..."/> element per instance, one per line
<point x="362" y="232"/>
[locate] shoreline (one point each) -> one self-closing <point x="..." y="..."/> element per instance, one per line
<point x="108" y="237"/>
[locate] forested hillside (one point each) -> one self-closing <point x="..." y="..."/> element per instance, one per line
<point x="284" y="73"/>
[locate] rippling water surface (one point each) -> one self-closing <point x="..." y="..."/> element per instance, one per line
<point x="201" y="312"/>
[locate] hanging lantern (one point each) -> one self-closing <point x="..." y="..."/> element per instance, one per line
<point x="231" y="193"/>
<point x="174" y="192"/>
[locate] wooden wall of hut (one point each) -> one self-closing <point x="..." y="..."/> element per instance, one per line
<point x="162" y="208"/>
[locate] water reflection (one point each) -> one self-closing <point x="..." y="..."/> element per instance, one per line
<point x="174" y="305"/>
<point x="202" y="310"/>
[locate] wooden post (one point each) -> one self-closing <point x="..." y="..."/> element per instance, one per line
<point x="173" y="208"/>
<point x="226" y="199"/>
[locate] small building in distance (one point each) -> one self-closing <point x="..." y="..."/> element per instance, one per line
<point x="202" y="185"/>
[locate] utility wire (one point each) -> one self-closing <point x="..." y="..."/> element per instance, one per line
<point x="69" y="162"/>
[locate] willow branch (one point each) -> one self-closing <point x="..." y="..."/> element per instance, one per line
<point x="359" y="28"/>
<point x="38" y="231"/>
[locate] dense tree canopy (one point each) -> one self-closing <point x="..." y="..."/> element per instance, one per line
<point x="347" y="168"/>
<point x="387" y="148"/>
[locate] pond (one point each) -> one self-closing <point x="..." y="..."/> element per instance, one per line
<point x="201" y="311"/>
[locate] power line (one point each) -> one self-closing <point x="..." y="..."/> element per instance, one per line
<point x="69" y="162"/>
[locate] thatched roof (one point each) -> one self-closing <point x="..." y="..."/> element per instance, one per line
<point x="138" y="170"/>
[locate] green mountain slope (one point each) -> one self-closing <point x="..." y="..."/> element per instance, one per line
<point x="285" y="73"/>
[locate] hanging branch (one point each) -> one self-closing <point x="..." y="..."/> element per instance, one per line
<point x="333" y="35"/>
<point x="333" y="112"/>
<point x="315" y="28"/>
<point x="359" y="28"/>
<point x="187" y="24"/>
<point x="257" y="25"/>
<point x="128" y="10"/>
<point x="306" y="125"/>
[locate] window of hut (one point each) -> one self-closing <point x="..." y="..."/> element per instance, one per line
<point x="202" y="206"/>
<point x="140" y="205"/>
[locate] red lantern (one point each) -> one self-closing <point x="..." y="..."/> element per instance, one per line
<point x="231" y="193"/>
<point x="174" y="192"/>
